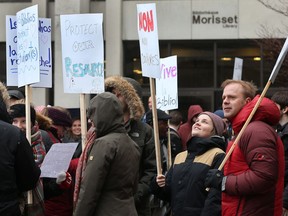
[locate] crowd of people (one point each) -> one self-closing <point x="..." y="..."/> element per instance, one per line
<point x="116" y="172"/>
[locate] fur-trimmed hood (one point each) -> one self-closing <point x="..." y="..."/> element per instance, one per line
<point x="135" y="105"/>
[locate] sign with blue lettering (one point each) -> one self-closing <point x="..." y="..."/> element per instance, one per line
<point x="148" y="39"/>
<point x="45" y="61"/>
<point x="167" y="85"/>
<point x="28" y="46"/>
<point x="82" y="53"/>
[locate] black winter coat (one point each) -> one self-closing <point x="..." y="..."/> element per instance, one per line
<point x="18" y="169"/>
<point x="184" y="187"/>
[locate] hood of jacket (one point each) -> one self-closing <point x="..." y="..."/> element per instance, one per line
<point x="193" y="111"/>
<point x="132" y="99"/>
<point x="106" y="114"/>
<point x="267" y="112"/>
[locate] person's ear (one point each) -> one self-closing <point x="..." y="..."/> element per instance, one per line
<point x="247" y="100"/>
<point x="285" y="110"/>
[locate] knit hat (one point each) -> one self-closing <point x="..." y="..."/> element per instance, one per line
<point x="218" y="122"/>
<point x="59" y="117"/>
<point x="18" y="111"/>
<point x="220" y="113"/>
<point x="161" y="115"/>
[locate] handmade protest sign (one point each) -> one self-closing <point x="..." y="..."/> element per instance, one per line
<point x="148" y="39"/>
<point x="28" y="46"/>
<point x="12" y="59"/>
<point x="237" y="72"/>
<point x="82" y="53"/>
<point x="57" y="159"/>
<point x="167" y="85"/>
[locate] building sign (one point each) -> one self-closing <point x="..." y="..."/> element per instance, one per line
<point x="219" y="17"/>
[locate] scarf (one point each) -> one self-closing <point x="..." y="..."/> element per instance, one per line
<point x="37" y="145"/>
<point x="91" y="136"/>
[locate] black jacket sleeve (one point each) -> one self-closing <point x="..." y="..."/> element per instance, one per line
<point x="27" y="172"/>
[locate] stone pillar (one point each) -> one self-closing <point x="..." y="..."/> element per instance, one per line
<point x="113" y="38"/>
<point x="64" y="7"/>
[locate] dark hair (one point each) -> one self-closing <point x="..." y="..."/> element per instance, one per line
<point x="281" y="98"/>
<point x="177" y="117"/>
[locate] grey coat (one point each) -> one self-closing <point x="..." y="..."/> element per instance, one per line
<point x="110" y="178"/>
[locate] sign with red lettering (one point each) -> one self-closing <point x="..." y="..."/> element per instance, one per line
<point x="148" y="39"/>
<point x="167" y="85"/>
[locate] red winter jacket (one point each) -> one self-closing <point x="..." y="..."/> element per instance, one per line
<point x="255" y="169"/>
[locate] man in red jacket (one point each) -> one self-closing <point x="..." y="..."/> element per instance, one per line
<point x="254" y="173"/>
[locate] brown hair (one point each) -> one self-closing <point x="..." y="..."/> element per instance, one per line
<point x="249" y="88"/>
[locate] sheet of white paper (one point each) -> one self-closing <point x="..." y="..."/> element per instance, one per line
<point x="57" y="159"/>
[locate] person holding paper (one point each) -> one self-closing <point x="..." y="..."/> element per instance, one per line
<point x="183" y="185"/>
<point x="129" y="94"/>
<point x="253" y="179"/>
<point x="111" y="174"/>
<point x="19" y="172"/>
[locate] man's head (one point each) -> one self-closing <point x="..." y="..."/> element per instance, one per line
<point x="18" y="116"/>
<point x="162" y="121"/>
<point x="236" y="93"/>
<point x="176" y="118"/>
<point x="281" y="100"/>
<point x="15" y="95"/>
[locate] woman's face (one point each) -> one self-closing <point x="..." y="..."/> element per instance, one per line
<point x="76" y="127"/>
<point x="203" y="126"/>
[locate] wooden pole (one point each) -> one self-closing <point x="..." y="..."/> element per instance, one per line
<point x="28" y="97"/>
<point x="83" y="120"/>
<point x="155" y="126"/>
<point x="169" y="164"/>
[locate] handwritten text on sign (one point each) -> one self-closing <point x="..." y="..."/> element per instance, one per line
<point x="148" y="39"/>
<point x="167" y="85"/>
<point x="45" y="61"/>
<point x="82" y="53"/>
<point x="28" y="46"/>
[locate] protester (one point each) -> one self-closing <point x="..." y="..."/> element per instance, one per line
<point x="141" y="133"/>
<point x="185" y="129"/>
<point x="254" y="173"/>
<point x="18" y="115"/>
<point x="73" y="134"/>
<point x="183" y="185"/>
<point x="58" y="193"/>
<point x="158" y="207"/>
<point x="110" y="177"/>
<point x="281" y="100"/>
<point x="19" y="172"/>
<point x="174" y="124"/>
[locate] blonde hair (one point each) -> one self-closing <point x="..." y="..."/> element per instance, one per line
<point x="249" y="88"/>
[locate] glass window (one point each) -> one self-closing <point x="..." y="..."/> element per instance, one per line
<point x="195" y="62"/>
<point x="248" y="51"/>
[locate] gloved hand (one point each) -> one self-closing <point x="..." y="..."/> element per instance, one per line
<point x="64" y="180"/>
<point x="213" y="179"/>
